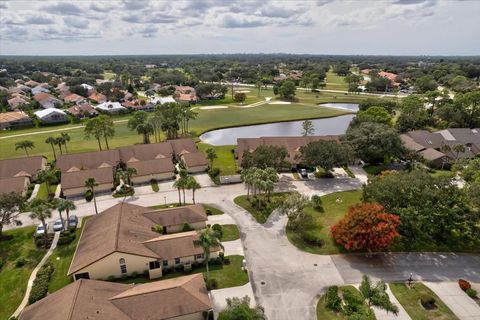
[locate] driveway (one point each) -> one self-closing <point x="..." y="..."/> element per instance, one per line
<point x="462" y="305"/>
<point x="219" y="296"/>
<point x="204" y="180"/>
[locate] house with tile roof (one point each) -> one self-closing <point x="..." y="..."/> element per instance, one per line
<point x="120" y="241"/>
<point x="51" y="115"/>
<point x="17" y="173"/>
<point x="46" y="100"/>
<point x="14" y="119"/>
<point x="179" y="298"/>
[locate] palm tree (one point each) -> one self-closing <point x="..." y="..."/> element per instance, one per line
<point x="193" y="185"/>
<point x="207" y="239"/>
<point x="25" y="145"/>
<point x="183" y="182"/>
<point x="178" y="185"/>
<point x="65" y="205"/>
<point x="66" y="138"/>
<point x="59" y="142"/>
<point x="90" y="184"/>
<point x="376" y="295"/>
<point x="52" y="141"/>
<point x="41" y="210"/>
<point x="129" y="173"/>
<point x="49" y="177"/>
<point x="211" y="155"/>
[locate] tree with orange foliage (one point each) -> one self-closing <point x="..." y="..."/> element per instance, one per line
<point x="366" y="227"/>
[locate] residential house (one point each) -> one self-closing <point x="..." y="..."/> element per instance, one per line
<point x="162" y="100"/>
<point x="51" y="115"/>
<point x="110" y="107"/>
<point x="174" y="219"/>
<point x="83" y="110"/>
<point x="39" y="89"/>
<point x="120" y="241"/>
<point x="182" y="298"/>
<point x="88" y="87"/>
<point x="63" y="89"/>
<point x="291" y="144"/>
<point x="24" y="88"/>
<point x="14" y="119"/>
<point x="437" y="147"/>
<point x="15" y="102"/>
<point x="97" y="97"/>
<point x="16" y="174"/>
<point x="75" y="98"/>
<point x="46" y="100"/>
<point x="187" y="153"/>
<point x="185" y="94"/>
<point x="32" y="83"/>
<point x="13" y="90"/>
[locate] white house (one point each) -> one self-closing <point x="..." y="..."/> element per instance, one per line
<point x="51" y="115"/>
<point x="162" y="100"/>
<point x="39" y="89"/>
<point x="110" y="107"/>
<point x="87" y="86"/>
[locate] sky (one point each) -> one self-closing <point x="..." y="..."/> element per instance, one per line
<point x="361" y="27"/>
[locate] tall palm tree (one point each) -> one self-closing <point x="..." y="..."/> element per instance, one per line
<point x="49" y="177"/>
<point x="65" y="205"/>
<point x="211" y="155"/>
<point x="41" y="210"/>
<point x="178" y="184"/>
<point x="59" y="142"/>
<point x="193" y="185"/>
<point x="66" y="138"/>
<point x="90" y="184"/>
<point x="208" y="239"/>
<point x="52" y="141"/>
<point x="129" y="173"/>
<point x="25" y="145"/>
<point x="183" y="182"/>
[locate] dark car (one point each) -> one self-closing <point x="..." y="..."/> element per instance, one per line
<point x="72" y="221"/>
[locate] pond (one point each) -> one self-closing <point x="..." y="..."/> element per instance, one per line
<point x="325" y="126"/>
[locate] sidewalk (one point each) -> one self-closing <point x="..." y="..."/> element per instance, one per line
<point x="24" y="302"/>
<point x="462" y="305"/>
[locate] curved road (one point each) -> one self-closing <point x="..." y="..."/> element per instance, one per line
<point x="287" y="281"/>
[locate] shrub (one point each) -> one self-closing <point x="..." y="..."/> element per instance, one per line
<point x="187" y="268"/>
<point x="20" y="262"/>
<point x="40" y="284"/>
<point x="464" y="284"/>
<point x="332" y="300"/>
<point x="208" y="211"/>
<point x="124" y="276"/>
<point x="66" y="238"/>
<point x="134" y="274"/>
<point x="316" y="202"/>
<point x="226" y="261"/>
<point x="221" y="255"/>
<point x="111" y="278"/>
<point x="218" y="229"/>
<point x="146" y="273"/>
<point x="312" y="238"/>
<point x="471" y="293"/>
<point x="158" y="228"/>
<point x="215" y="172"/>
<point x="211" y="284"/>
<point x="187" y="227"/>
<point x="427" y="301"/>
<point x="88" y="195"/>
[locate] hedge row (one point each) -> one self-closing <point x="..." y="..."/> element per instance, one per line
<point x="40" y="284"/>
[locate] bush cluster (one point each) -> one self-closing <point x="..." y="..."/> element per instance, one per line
<point x="186" y="227"/>
<point x="40" y="284"/>
<point x="218" y="229"/>
<point x="66" y="237"/>
<point x="332" y="300"/>
<point x="427" y="301"/>
<point x="20" y="262"/>
<point x="211" y="283"/>
<point x="471" y="293"/>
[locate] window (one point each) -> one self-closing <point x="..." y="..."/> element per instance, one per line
<point x="123" y="267"/>
<point x="177" y="260"/>
<point x="199" y="256"/>
<point x="165" y="263"/>
<point x="154" y="265"/>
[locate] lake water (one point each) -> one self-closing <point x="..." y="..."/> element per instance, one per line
<point x="324" y="126"/>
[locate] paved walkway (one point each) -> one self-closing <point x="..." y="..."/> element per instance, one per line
<point x="359" y="173"/>
<point x="24" y="302"/>
<point x="458" y="301"/>
<point x="383" y="315"/>
<point x="233" y="248"/>
<point x="219" y="296"/>
<point x="35" y="192"/>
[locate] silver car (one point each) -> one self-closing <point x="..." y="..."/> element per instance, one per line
<point x="58" y="225"/>
<point x="40" y="230"/>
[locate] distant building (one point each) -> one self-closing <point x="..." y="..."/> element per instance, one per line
<point x="16" y="174"/>
<point x="51" y="115"/>
<point x="14" y="119"/>
<point x="75" y="98"/>
<point x="47" y="100"/>
<point x="110" y="107"/>
<point x="83" y="110"/>
<point x="15" y="102"/>
<point x="97" y="97"/>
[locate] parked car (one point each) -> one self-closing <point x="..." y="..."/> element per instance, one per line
<point x="72" y="221"/>
<point x="58" y="225"/>
<point x="304" y="173"/>
<point x="40" y="230"/>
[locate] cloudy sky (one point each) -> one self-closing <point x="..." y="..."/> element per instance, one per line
<point x="394" y="27"/>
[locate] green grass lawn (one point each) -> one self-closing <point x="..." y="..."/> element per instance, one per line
<point x="61" y="259"/>
<point x="109" y="75"/>
<point x="335" y="82"/>
<point x="42" y="191"/>
<point x="214" y="211"/>
<point x="410" y="300"/>
<point x="230" y="232"/>
<point x="260" y="215"/>
<point x="324" y="314"/>
<point x="324" y="219"/>
<point x="227" y="276"/>
<point x="225" y="161"/>
<point x="13" y="280"/>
